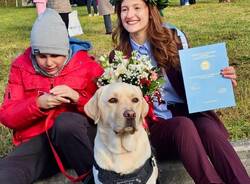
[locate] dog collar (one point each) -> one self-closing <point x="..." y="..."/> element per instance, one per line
<point x="139" y="176"/>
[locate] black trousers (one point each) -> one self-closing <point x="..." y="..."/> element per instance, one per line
<point x="107" y="23"/>
<point x="65" y="18"/>
<point x="72" y="136"/>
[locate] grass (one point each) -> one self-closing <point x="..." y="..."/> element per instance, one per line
<point x="206" y="22"/>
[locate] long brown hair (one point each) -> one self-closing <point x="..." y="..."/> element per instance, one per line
<point x="163" y="41"/>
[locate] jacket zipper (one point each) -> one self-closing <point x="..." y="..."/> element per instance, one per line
<point x="52" y="83"/>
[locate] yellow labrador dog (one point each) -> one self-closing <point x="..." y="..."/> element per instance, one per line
<point x="122" y="150"/>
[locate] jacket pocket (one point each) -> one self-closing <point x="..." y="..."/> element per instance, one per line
<point x="36" y="85"/>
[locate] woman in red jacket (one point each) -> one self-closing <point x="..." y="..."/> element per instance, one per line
<point x="55" y="77"/>
<point x="199" y="140"/>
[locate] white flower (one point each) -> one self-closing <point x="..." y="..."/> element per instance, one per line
<point x="121" y="69"/>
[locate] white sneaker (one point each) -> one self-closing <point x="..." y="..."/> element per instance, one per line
<point x="90" y="15"/>
<point x="187" y="4"/>
<point x="96" y="14"/>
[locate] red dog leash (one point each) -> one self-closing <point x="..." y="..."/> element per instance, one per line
<point x="58" y="160"/>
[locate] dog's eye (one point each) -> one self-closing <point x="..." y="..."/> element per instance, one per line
<point x="113" y="100"/>
<point x="135" y="100"/>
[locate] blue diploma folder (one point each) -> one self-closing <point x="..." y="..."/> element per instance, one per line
<point x="205" y="87"/>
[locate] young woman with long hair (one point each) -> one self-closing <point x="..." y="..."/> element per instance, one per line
<point x="199" y="140"/>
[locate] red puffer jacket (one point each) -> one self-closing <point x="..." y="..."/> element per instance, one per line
<point x="19" y="110"/>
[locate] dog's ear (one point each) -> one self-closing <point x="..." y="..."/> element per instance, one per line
<point x="144" y="109"/>
<point x="91" y="108"/>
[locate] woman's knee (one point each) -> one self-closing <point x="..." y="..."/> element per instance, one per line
<point x="208" y="128"/>
<point x="184" y="126"/>
<point x="68" y="122"/>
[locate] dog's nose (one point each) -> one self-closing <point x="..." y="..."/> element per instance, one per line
<point x="129" y="114"/>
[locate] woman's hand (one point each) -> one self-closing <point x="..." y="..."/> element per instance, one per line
<point x="48" y="101"/>
<point x="65" y="92"/>
<point x="229" y="72"/>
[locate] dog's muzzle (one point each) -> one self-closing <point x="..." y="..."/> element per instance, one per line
<point x="129" y="128"/>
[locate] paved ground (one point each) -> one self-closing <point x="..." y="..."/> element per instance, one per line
<point x="173" y="172"/>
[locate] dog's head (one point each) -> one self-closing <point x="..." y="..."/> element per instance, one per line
<point x="120" y="106"/>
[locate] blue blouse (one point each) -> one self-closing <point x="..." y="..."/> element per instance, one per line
<point x="168" y="93"/>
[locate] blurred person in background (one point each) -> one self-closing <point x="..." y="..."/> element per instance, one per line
<point x="94" y="4"/>
<point x="63" y="7"/>
<point x="106" y="9"/>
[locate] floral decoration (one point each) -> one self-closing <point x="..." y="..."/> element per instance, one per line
<point x="136" y="70"/>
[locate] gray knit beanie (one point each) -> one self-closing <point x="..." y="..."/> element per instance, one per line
<point x="49" y="34"/>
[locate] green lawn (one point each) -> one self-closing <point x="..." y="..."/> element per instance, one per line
<point x="206" y="22"/>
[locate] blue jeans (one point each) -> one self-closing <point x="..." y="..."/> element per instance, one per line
<point x="89" y="3"/>
<point x="183" y="2"/>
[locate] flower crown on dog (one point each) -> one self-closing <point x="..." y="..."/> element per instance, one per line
<point x="161" y="4"/>
<point x="136" y="70"/>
